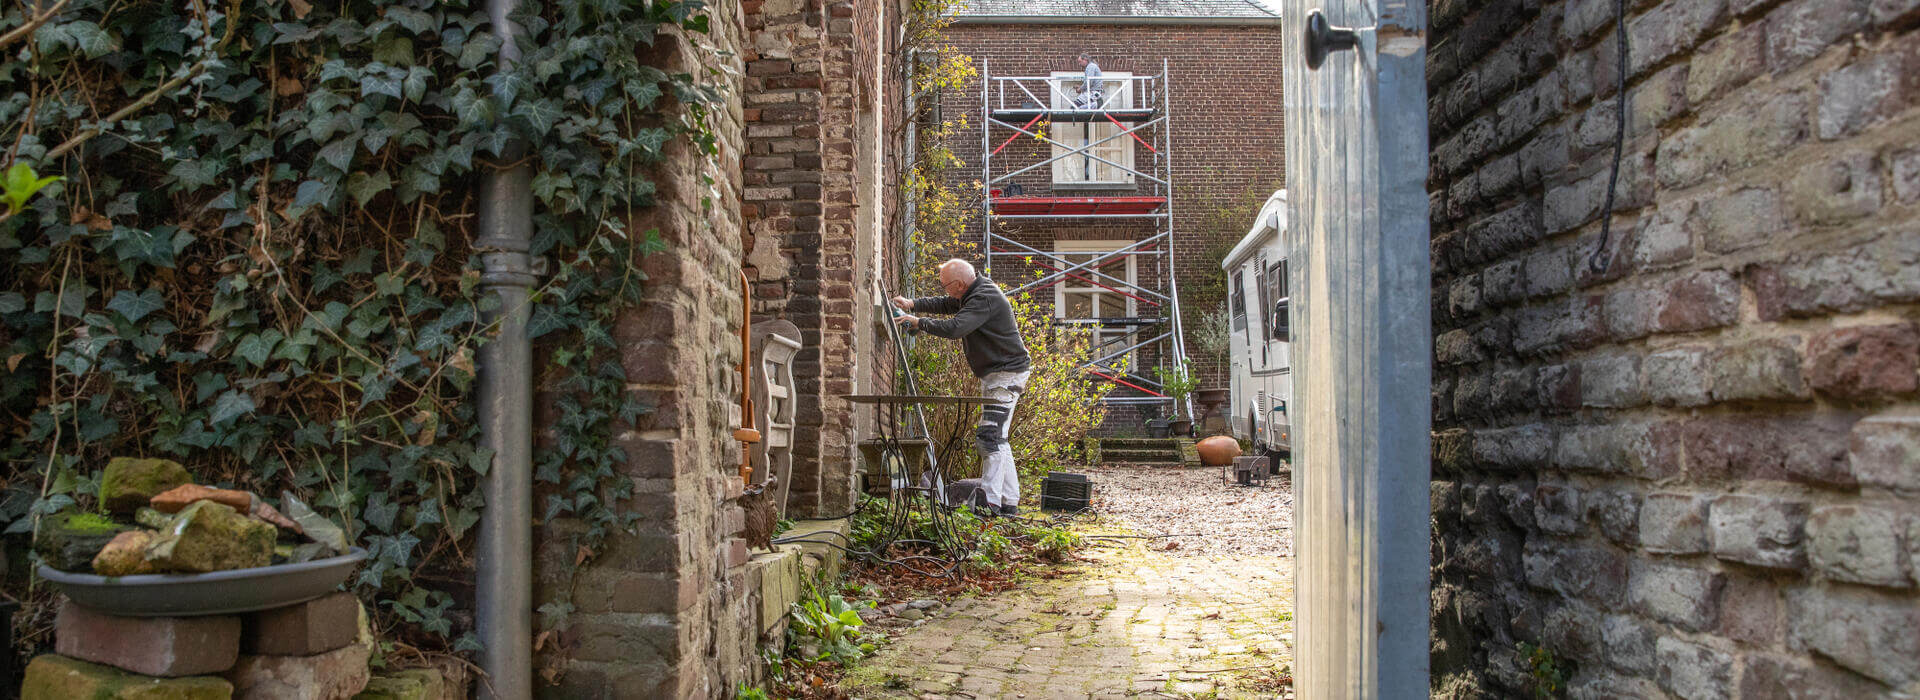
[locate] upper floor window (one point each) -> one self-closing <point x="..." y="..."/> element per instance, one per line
<point x="1107" y="162"/>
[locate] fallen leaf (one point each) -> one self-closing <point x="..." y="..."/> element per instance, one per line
<point x="300" y="8"/>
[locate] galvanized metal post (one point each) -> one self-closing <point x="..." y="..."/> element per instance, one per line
<point x="503" y="615"/>
<point x="1356" y="145"/>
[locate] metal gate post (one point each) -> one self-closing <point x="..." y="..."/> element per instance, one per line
<point x="1356" y="145"/>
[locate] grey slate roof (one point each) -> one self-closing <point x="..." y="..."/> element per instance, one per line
<point x="1116" y="8"/>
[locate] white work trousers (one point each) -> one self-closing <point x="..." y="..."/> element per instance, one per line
<point x="997" y="474"/>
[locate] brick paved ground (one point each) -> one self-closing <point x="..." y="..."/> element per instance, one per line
<point x="1130" y="621"/>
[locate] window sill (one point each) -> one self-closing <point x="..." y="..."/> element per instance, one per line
<point x="1099" y="186"/>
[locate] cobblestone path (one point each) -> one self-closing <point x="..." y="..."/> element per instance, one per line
<point x="1128" y="622"/>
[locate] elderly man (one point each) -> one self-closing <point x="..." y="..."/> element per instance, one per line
<point x="983" y="323"/>
<point x="1092" y="97"/>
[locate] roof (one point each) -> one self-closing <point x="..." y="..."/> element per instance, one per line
<point x="1116" y="11"/>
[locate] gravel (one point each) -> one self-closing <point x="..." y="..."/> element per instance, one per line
<point x="1207" y="517"/>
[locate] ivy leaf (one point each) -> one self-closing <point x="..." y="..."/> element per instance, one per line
<point x="136" y="306"/>
<point x="380" y="83"/>
<point x="194" y="174"/>
<point x="415" y="84"/>
<point x="471" y="107"/>
<point x="257" y="347"/>
<point x="478" y="49"/>
<point x="413" y="20"/>
<point x="339" y="154"/>
<point x="12" y="302"/>
<point x="231" y="404"/>
<point x="540" y="114"/>
<point x="312" y="193"/>
<point x="380" y="512"/>
<point x="363" y="187"/>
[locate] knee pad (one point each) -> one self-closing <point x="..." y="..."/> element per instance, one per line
<point x="987" y="435"/>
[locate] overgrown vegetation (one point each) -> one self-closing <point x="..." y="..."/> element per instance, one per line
<point x="260" y="259"/>
<point x="1548" y="670"/>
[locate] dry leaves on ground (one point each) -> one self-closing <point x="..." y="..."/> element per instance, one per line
<point x="1207" y="517"/>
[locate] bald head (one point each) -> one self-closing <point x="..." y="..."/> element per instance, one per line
<point x="956" y="276"/>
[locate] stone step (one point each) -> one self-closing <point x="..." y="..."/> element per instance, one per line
<point x="1128" y="443"/>
<point x="1138" y="456"/>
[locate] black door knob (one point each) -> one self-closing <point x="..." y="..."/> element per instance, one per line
<point x="1324" y="38"/>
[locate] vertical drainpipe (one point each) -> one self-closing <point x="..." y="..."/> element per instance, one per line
<point x="503" y="614"/>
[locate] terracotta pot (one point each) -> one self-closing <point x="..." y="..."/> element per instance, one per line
<point x="1218" y="451"/>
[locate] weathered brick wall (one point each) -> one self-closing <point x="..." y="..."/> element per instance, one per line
<point x="812" y="76"/>
<point x="1694" y="473"/>
<point x="661" y="611"/>
<point x="1226" y="133"/>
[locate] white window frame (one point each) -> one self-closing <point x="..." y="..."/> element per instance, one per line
<point x="1067" y="85"/>
<point x="1068" y="285"/>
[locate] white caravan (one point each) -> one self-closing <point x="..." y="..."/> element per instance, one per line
<point x="1257" y="299"/>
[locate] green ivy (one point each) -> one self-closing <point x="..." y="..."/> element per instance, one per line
<point x="243" y="240"/>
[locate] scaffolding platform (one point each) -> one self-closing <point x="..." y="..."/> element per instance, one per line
<point x="1076" y="206"/>
<point x="1029" y="114"/>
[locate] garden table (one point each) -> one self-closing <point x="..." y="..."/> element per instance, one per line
<point x="912" y="519"/>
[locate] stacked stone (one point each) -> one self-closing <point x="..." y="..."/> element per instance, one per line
<point x="314" y="650"/>
<point x="1684" y="458"/>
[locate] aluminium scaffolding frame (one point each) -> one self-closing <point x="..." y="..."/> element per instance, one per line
<point x="1147" y="122"/>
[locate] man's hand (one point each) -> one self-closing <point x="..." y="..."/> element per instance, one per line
<point x="903" y="303"/>
<point x="907" y="321"/>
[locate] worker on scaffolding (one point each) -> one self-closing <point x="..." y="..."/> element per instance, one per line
<point x="983" y="322"/>
<point x="1091" y="97"/>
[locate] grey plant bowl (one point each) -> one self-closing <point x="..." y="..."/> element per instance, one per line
<point x="215" y="593"/>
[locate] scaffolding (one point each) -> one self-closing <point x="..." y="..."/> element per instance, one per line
<point x="1091" y="127"/>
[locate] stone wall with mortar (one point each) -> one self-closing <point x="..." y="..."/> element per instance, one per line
<point x="814" y="216"/>
<point x="1684" y="459"/>
<point x="664" y="610"/>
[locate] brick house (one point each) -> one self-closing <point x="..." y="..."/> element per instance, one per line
<point x="1219" y="146"/>
<point x="1684" y="459"/>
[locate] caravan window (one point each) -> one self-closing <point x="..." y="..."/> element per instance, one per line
<point x="1277" y="309"/>
<point x="1237" y="300"/>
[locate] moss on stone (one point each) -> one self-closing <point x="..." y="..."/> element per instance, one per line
<point x="51" y="677"/>
<point x="68" y="540"/>
<point x="209" y="536"/>
<point x="130" y="483"/>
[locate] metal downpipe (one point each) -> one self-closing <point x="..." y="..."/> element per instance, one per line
<point x="503" y="610"/>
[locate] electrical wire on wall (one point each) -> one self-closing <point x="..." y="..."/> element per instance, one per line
<point x="1598" y="261"/>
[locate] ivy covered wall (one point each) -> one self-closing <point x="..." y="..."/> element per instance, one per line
<point x="258" y="261"/>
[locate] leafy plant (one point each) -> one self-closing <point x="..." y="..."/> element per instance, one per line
<point x="1055" y="543"/>
<point x="826" y="626"/>
<point x="261" y="260"/>
<point x="746" y="692"/>
<point x="1549" y="675"/>
<point x="1177" y="382"/>
<point x="22" y="183"/>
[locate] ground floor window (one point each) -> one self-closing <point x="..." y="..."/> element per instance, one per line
<point x="1101" y="304"/>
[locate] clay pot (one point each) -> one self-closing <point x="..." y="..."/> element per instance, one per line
<point x="1218" y="451"/>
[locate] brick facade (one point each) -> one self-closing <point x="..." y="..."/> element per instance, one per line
<point x="1691" y="473"/>
<point x="815" y="214"/>
<point x="671" y="608"/>
<point x="1226" y="134"/>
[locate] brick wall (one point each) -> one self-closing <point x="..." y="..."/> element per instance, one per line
<point x="811" y="91"/>
<point x="658" y="612"/>
<point x="668" y="609"/>
<point x="1226" y="133"/>
<point x="1691" y="473"/>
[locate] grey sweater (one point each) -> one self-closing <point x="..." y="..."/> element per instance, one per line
<point x="983" y="321"/>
